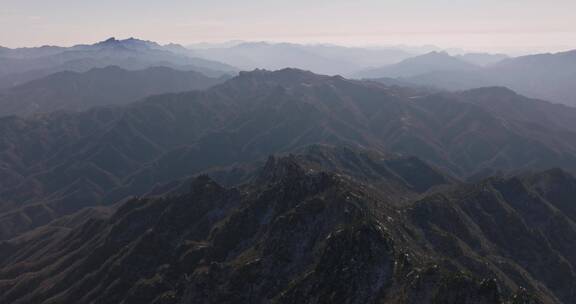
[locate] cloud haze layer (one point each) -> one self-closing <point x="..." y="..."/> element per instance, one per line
<point x="494" y="25"/>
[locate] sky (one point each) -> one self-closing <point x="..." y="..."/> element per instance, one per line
<point x="511" y="26"/>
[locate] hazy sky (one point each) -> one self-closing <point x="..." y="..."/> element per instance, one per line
<point x="494" y="25"/>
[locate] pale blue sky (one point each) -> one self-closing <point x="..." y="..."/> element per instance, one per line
<point x="495" y="25"/>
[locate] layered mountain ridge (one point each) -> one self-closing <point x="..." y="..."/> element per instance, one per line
<point x="324" y="59"/>
<point x="300" y="232"/>
<point x="112" y="85"/>
<point x="19" y="66"/>
<point x="544" y="76"/>
<point x="431" y="62"/>
<point x="58" y="163"/>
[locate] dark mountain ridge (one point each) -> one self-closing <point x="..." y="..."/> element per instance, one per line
<point x="62" y="162"/>
<point x="299" y="232"/>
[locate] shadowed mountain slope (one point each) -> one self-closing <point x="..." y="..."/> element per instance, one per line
<point x="299" y="233"/>
<point x="66" y="161"/>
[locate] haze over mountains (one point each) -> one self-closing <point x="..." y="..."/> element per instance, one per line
<point x="423" y="64"/>
<point x="544" y="76"/>
<point x="324" y="59"/>
<point x="111" y="85"/>
<point x="134" y="172"/>
<point x="127" y="150"/>
<point x="18" y="66"/>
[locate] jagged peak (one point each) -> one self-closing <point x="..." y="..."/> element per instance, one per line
<point x="554" y="176"/>
<point x="133" y="42"/>
<point x="281" y="168"/>
<point x="110" y="40"/>
<point x="204" y="185"/>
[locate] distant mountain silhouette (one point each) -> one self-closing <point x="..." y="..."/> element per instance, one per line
<point x="22" y="65"/>
<point x="325" y="59"/>
<point x="431" y="62"/>
<point x="544" y="76"/>
<point x="482" y="59"/>
<point x="100" y="86"/>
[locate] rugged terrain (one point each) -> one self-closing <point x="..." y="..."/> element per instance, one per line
<point x="58" y="163"/>
<point x="314" y="227"/>
<point x="291" y="187"/>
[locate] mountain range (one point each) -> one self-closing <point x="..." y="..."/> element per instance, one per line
<point x="324" y="59"/>
<point x="53" y="162"/>
<point x="544" y="76"/>
<point x="423" y="64"/>
<point x="112" y="85"/>
<point x="134" y="172"/>
<point x="18" y="66"/>
<point x="301" y="231"/>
